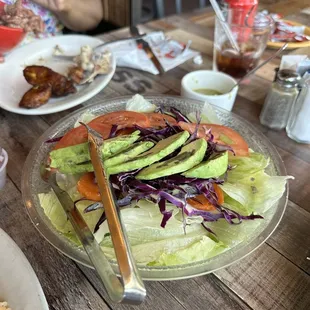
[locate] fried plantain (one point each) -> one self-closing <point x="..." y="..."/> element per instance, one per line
<point x="76" y="74"/>
<point x="61" y="86"/>
<point x="37" y="75"/>
<point x="40" y="75"/>
<point x="36" y="96"/>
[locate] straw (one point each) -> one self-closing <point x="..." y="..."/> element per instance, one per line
<point x="221" y="17"/>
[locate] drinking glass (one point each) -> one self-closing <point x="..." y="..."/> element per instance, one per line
<point x="251" y="32"/>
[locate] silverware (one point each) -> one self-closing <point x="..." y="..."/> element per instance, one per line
<point x="145" y="45"/>
<point x="283" y="47"/>
<point x="105" y="44"/>
<point x="130" y="289"/>
<point x="132" y="283"/>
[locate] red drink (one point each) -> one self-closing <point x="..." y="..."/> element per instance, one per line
<point x="236" y="64"/>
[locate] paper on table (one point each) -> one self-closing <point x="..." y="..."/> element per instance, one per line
<point x="170" y="53"/>
<point x="291" y="61"/>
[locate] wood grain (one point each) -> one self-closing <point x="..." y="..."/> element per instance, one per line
<point x="205" y="292"/>
<point x="291" y="238"/>
<point x="267" y="280"/>
<point x="63" y="283"/>
<point x="183" y="294"/>
<point x="199" y="43"/>
<point x="276" y="276"/>
<point x="157" y="295"/>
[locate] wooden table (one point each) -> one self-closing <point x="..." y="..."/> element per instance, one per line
<point x="276" y="276"/>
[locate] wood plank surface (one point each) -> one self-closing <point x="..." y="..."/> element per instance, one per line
<point x="267" y="280"/>
<point x="57" y="274"/>
<point x="276" y="276"/>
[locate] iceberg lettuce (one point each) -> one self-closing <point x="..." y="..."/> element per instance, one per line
<point x="138" y="104"/>
<point x="153" y="245"/>
<point x="248" y="188"/>
<point x="208" y="115"/>
<point x="56" y="214"/>
<point x="243" y="166"/>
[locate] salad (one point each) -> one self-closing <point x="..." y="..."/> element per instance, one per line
<point x="188" y="188"/>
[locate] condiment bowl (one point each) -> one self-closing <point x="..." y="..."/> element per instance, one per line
<point x="213" y="80"/>
<point x="9" y="37"/>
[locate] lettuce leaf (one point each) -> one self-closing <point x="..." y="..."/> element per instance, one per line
<point x="138" y="104"/>
<point x="58" y="217"/>
<point x="149" y="229"/>
<point x="244" y="166"/>
<point x="200" y="249"/>
<point x="154" y="245"/>
<point x="208" y="115"/>
<point x="248" y="188"/>
<point x="256" y="192"/>
<point x="231" y="235"/>
<point x="84" y="118"/>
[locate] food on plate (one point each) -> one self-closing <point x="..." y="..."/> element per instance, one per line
<point x="287" y="31"/>
<point x="40" y="75"/>
<point x="4" y="306"/>
<point x="187" y="191"/>
<point x="89" y="64"/>
<point x="46" y="84"/>
<point x="76" y="74"/>
<point x="17" y="16"/>
<point x="36" y="96"/>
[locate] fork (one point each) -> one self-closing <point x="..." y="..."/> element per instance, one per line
<point x="71" y="58"/>
<point x="131" y="289"/>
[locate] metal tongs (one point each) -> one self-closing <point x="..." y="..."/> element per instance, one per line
<point x="130" y="289"/>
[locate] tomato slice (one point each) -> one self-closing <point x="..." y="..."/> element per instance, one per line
<point x="79" y="135"/>
<point x="158" y="119"/>
<point x="88" y="188"/>
<point x="202" y="203"/>
<point x="123" y="119"/>
<point x="125" y="131"/>
<point x="103" y="125"/>
<point x="222" y="135"/>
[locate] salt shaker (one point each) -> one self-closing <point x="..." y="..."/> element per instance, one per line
<point x="298" y="126"/>
<point x="279" y="100"/>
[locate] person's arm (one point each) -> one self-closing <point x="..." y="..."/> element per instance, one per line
<point x="77" y="15"/>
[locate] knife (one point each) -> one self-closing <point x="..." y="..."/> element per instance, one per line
<point x="146" y="47"/>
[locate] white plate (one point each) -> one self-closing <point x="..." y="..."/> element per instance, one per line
<point x="13" y="84"/>
<point x="19" y="285"/>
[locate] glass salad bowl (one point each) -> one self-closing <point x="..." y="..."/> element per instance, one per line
<point x="32" y="185"/>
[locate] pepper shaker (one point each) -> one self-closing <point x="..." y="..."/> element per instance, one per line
<point x="279" y="100"/>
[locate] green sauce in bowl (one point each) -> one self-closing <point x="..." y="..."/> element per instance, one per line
<point x="207" y="91"/>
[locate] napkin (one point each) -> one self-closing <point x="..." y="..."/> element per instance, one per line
<point x="298" y="63"/>
<point x="170" y="53"/>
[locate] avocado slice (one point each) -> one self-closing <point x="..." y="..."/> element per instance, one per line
<point x="77" y="168"/>
<point x="190" y="155"/>
<point x="132" y="152"/>
<point x="209" y="169"/>
<point x="129" y="154"/>
<point x="79" y="153"/>
<point x="162" y="149"/>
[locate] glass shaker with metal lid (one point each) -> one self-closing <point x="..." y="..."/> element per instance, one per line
<point x="279" y="100"/>
<point x="298" y="125"/>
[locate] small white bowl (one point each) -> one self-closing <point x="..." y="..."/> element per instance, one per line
<point x="212" y="80"/>
<point x="3" y="168"/>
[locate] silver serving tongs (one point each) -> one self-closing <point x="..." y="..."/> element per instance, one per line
<point x="130" y="289"/>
